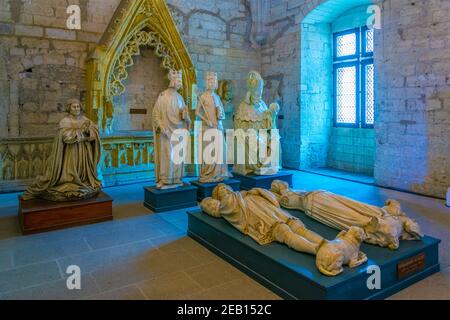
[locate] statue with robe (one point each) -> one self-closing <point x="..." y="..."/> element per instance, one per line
<point x="72" y="172"/>
<point x="384" y="226"/>
<point x="253" y="115"/>
<point x="225" y="92"/>
<point x="169" y="115"/>
<point x="211" y="113"/>
<point x="257" y="213"/>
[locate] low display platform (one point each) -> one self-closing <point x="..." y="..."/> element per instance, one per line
<point x="293" y="275"/>
<point x="172" y="199"/>
<point x="39" y="215"/>
<point x="265" y="182"/>
<point x="205" y="190"/>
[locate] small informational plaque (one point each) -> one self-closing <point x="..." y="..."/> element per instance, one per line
<point x="411" y="266"/>
<point x="138" y="111"/>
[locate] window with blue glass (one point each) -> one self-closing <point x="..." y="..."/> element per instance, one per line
<point x="354" y="99"/>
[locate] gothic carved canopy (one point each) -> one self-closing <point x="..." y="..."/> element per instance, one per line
<point x="136" y="24"/>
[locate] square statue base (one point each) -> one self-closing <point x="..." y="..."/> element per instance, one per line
<point x="294" y="275"/>
<point x="37" y="215"/>
<point x="172" y="199"/>
<point x="264" y="182"/>
<point x="205" y="190"/>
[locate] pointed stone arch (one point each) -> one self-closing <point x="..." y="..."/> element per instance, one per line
<point x="135" y="24"/>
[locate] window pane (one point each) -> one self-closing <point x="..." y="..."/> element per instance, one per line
<point x="346" y="45"/>
<point x="346" y="95"/>
<point x="370" y="97"/>
<point x="369" y="41"/>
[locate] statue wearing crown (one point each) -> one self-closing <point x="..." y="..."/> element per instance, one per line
<point x="169" y="115"/>
<point x="262" y="154"/>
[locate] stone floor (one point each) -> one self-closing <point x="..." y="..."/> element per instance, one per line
<point x="148" y="256"/>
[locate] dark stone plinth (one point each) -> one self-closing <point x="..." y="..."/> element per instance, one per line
<point x="265" y="182"/>
<point x="38" y="215"/>
<point x="171" y="199"/>
<point x="293" y="275"/>
<point x="205" y="190"/>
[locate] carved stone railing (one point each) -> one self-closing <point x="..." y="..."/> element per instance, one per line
<point x="127" y="157"/>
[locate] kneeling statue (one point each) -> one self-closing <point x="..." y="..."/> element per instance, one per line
<point x="72" y="171"/>
<point x="257" y="213"/>
<point x="384" y="227"/>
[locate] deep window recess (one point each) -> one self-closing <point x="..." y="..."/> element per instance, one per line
<point x="354" y="100"/>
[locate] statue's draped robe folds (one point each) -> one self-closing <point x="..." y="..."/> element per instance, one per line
<point x="383" y="226"/>
<point x="215" y="113"/>
<point x="169" y="115"/>
<point x="257" y="213"/>
<point x="257" y="116"/>
<point x="72" y="171"/>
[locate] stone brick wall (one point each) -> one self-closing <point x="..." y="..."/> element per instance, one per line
<point x="413" y="109"/>
<point x="146" y="80"/>
<point x="413" y="96"/>
<point x="412" y="64"/>
<point x="217" y="34"/>
<point x="35" y="42"/>
<point x="45" y="61"/>
<point x="315" y="95"/>
<point x="352" y="149"/>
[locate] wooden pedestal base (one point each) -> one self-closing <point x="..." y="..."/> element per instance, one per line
<point x="38" y="215"/>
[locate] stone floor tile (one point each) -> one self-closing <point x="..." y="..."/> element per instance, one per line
<point x="96" y="260"/>
<point x="126" y="293"/>
<point x="214" y="274"/>
<point x="55" y="290"/>
<point x="28" y="276"/>
<point x="173" y="286"/>
<point x="35" y="253"/>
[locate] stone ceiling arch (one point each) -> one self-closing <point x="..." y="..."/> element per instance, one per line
<point x="326" y="11"/>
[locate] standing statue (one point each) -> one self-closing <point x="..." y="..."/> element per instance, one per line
<point x="257" y="213"/>
<point x="210" y="111"/>
<point x="72" y="172"/>
<point x="169" y="114"/>
<point x="253" y="114"/>
<point x="225" y="92"/>
<point x="384" y="227"/>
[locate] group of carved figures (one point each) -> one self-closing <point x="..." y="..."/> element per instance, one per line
<point x="259" y="214"/>
<point x="171" y="113"/>
<point x="71" y="174"/>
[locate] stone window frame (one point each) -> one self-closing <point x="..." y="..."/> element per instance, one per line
<point x="360" y="60"/>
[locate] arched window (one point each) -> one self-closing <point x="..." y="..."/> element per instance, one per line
<point x="353" y="78"/>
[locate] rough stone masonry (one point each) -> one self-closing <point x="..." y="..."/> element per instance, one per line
<point x="42" y="63"/>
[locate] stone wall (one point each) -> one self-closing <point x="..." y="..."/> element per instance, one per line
<point x="315" y="95"/>
<point x="45" y="60"/>
<point x="146" y="80"/>
<point x="413" y="109"/>
<point x="412" y="97"/>
<point x="412" y="71"/>
<point x="352" y="149"/>
<point x="35" y="42"/>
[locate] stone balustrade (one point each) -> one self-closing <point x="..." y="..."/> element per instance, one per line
<point x="127" y="157"/>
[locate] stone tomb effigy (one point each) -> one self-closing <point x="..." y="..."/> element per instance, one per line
<point x="294" y="275"/>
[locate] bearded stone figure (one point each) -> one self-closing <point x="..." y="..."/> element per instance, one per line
<point x="211" y="113"/>
<point x="257" y="213"/>
<point x="253" y="114"/>
<point x="226" y="94"/>
<point x="72" y="172"/>
<point x="169" y="115"/>
<point x="384" y="226"/>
